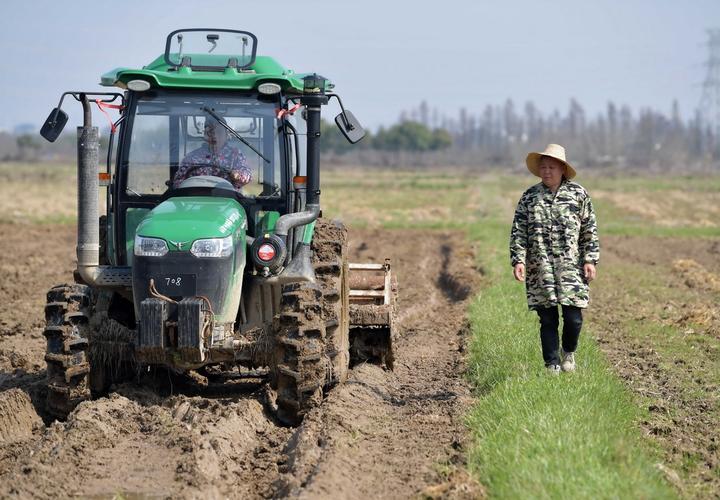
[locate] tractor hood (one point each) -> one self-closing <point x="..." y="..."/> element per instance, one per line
<point x="181" y="274"/>
<point x="182" y="220"/>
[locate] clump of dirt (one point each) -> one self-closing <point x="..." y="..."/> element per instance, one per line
<point x="18" y="419"/>
<point x="690" y="316"/>
<point x="458" y="485"/>
<point x="382" y="434"/>
<point x="696" y="276"/>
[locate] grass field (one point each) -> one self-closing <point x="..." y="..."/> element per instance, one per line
<point x="575" y="436"/>
<point x="639" y="417"/>
<point x="38" y="193"/>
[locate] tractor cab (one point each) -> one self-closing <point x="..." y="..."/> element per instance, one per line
<point x="209" y="106"/>
<point x="175" y="143"/>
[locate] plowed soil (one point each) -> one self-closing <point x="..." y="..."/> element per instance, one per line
<point x="682" y="392"/>
<point x="382" y="434"/>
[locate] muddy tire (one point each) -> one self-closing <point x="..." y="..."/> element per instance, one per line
<point x="67" y="325"/>
<point x="312" y="344"/>
<point x="300" y="365"/>
<point x="330" y="262"/>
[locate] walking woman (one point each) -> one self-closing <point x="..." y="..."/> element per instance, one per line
<point x="554" y="249"/>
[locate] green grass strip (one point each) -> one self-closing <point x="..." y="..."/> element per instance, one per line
<point x="542" y="436"/>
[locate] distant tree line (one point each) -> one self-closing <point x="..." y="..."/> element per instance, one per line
<point x="403" y="136"/>
<point x="503" y="135"/>
<point x="24" y="147"/>
<point x="30" y="147"/>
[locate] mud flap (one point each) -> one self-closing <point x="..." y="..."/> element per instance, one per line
<point x="151" y="343"/>
<point x="373" y="293"/>
<point x="191" y="320"/>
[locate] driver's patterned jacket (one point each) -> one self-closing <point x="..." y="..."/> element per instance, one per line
<point x="228" y="163"/>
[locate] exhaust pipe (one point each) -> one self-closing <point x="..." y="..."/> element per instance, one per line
<point x="288" y="221"/>
<point x="88" y="232"/>
<point x="88" y="238"/>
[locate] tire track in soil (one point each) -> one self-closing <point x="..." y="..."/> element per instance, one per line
<point x="382" y="434"/>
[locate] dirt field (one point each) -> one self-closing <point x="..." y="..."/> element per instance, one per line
<point x="383" y="434"/>
<point x="656" y="317"/>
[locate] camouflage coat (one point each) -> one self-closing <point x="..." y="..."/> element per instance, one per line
<point x="554" y="236"/>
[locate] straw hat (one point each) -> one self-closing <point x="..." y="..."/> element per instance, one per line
<point x="553" y="151"/>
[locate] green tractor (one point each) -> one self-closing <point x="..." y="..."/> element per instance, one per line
<point x="212" y="254"/>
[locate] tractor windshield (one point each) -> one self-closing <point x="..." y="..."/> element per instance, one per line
<point x="178" y="136"/>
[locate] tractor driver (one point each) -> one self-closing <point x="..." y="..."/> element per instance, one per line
<point x="215" y="157"/>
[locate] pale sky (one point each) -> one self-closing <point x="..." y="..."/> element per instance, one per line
<point x="383" y="56"/>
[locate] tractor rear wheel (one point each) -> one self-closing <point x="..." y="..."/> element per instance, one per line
<point x="312" y="348"/>
<point x="330" y="261"/>
<point x="66" y="331"/>
<point x="300" y="366"/>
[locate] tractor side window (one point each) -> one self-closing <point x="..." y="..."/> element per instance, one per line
<point x="149" y="155"/>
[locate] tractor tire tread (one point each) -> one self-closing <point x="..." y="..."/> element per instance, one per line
<point x="67" y="318"/>
<point x="330" y="261"/>
<point x="299" y="360"/>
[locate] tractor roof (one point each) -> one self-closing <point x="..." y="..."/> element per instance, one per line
<point x="196" y="70"/>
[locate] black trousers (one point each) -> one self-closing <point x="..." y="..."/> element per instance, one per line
<point x="549" y="323"/>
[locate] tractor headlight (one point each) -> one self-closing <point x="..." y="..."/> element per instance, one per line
<point x="212" y="247"/>
<point x="150" y="247"/>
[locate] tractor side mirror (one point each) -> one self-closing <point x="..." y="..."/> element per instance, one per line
<point x="54" y="124"/>
<point x="350" y="127"/>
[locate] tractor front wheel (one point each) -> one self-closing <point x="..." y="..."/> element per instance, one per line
<point x="66" y="327"/>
